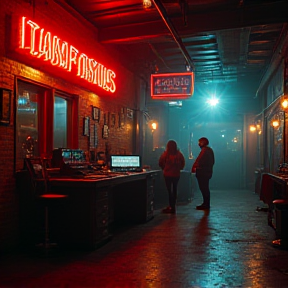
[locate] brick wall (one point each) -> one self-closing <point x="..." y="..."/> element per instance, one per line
<point x="82" y="35"/>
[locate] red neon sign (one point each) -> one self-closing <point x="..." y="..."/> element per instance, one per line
<point x="172" y="86"/>
<point x="44" y="45"/>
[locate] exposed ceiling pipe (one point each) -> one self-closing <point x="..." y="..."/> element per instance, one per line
<point x="161" y="9"/>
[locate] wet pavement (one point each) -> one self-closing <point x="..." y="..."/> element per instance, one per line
<point x="229" y="246"/>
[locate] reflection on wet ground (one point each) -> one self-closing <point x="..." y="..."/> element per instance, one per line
<point x="228" y="246"/>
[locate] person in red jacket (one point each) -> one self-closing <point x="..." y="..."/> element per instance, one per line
<point x="172" y="162"/>
<point x="203" y="167"/>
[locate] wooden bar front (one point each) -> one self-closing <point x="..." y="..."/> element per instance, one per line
<point x="96" y="204"/>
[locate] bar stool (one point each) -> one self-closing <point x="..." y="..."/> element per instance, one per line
<point x="281" y="214"/>
<point x="43" y="194"/>
<point x="49" y="200"/>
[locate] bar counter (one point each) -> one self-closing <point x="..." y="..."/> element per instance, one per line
<point x="273" y="187"/>
<point x="97" y="204"/>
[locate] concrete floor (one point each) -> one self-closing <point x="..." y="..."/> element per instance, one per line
<point x="231" y="246"/>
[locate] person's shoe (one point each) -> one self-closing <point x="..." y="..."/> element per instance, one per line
<point x="202" y="207"/>
<point x="169" y="210"/>
<point x="173" y="211"/>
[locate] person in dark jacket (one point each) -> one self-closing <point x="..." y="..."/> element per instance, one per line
<point x="203" y="167"/>
<point x="172" y="162"/>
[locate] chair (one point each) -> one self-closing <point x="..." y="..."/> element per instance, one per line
<point x="34" y="167"/>
<point x="281" y="213"/>
<point x="37" y="168"/>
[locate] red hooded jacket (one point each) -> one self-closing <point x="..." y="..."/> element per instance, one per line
<point x="172" y="164"/>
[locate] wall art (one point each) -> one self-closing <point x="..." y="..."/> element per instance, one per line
<point x="5" y="102"/>
<point x="105" y="131"/>
<point x="86" y="126"/>
<point x="129" y="113"/>
<point x="96" y="113"/>
<point x="112" y="120"/>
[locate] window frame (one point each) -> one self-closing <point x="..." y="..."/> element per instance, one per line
<point x="46" y="119"/>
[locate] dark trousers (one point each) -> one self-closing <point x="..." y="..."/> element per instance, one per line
<point x="203" y="183"/>
<point x="171" y="185"/>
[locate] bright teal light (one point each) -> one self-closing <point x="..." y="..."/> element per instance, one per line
<point x="213" y="101"/>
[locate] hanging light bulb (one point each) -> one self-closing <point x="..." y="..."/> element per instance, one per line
<point x="147" y="4"/>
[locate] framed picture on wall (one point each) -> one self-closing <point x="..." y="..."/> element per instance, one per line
<point x="86" y="126"/>
<point x="93" y="136"/>
<point x="121" y="118"/>
<point x="96" y="113"/>
<point x="112" y="120"/>
<point x="105" y="118"/>
<point x="5" y="101"/>
<point x="105" y="131"/>
<point x="129" y="113"/>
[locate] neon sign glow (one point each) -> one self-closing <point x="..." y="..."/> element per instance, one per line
<point x="172" y="85"/>
<point x="43" y="44"/>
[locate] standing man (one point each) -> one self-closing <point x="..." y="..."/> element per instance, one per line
<point x="203" y="167"/>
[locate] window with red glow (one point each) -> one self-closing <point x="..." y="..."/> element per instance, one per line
<point x="41" y="117"/>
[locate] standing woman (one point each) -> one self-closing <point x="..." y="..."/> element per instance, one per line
<point x="172" y="162"/>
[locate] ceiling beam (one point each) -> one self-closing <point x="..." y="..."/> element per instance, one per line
<point x="244" y="16"/>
